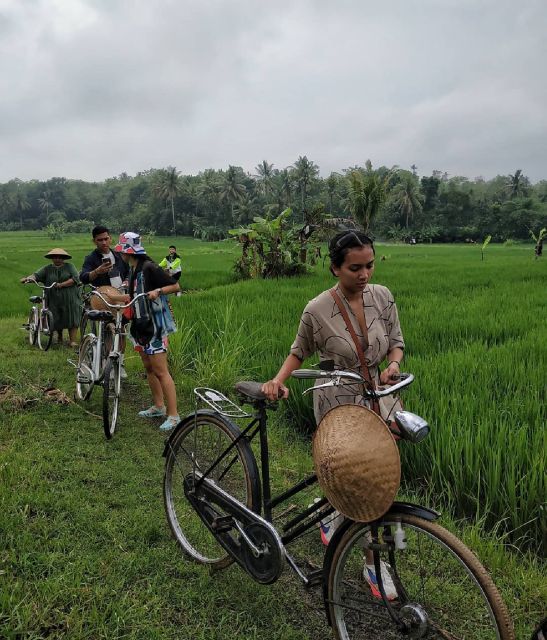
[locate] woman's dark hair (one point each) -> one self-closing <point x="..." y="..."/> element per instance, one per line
<point x="172" y="246"/>
<point x="344" y="241"/>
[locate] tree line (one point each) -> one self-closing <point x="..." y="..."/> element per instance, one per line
<point x="390" y="203"/>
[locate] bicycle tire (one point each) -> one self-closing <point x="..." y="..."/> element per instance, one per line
<point x="107" y="345"/>
<point x="203" y="438"/>
<point x="436" y="571"/>
<point x="45" y="330"/>
<point x="87" y="326"/>
<point x="111" y="396"/>
<point x="85" y="359"/>
<point x="32" y="326"/>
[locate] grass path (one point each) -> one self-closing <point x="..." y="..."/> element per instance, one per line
<point x="86" y="552"/>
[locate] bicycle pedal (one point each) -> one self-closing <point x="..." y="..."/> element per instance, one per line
<point x="222" y="524"/>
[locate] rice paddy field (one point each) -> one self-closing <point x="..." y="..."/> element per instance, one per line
<point x="85" y="551"/>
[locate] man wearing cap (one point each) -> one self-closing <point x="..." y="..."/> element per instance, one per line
<point x="103" y="266"/>
<point x="63" y="300"/>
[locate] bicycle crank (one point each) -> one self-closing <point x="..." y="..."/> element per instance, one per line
<point x="252" y="541"/>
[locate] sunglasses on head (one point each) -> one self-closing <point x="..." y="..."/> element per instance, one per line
<point x="350" y="237"/>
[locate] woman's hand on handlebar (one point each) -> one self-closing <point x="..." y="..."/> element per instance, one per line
<point x="390" y="375"/>
<point x="275" y="390"/>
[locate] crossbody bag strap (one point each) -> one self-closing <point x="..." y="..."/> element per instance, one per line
<point x="358" y="347"/>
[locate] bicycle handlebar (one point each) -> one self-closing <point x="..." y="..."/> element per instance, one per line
<point x="39" y="284"/>
<point x="341" y="377"/>
<point x="119" y="305"/>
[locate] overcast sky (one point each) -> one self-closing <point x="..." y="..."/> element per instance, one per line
<point x="92" y="88"/>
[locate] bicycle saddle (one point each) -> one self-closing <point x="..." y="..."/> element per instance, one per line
<point x="93" y="314"/>
<point x="35" y="299"/>
<point x="251" y="391"/>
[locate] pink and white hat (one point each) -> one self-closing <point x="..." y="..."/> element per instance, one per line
<point x="130" y="243"/>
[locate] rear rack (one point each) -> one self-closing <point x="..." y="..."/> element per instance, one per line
<point x="220" y="403"/>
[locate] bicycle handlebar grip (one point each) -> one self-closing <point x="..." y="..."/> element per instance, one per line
<point x="307" y="373"/>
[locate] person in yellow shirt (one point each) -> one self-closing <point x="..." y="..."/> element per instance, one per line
<point x="172" y="264"/>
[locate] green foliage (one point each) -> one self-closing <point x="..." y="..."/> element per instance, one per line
<point x="484" y="245"/>
<point x="433" y="208"/>
<point x="269" y="248"/>
<point x="86" y="552"/>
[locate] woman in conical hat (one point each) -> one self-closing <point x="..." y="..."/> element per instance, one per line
<point x="64" y="300"/>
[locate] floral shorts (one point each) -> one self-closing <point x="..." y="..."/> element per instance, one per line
<point x="157" y="345"/>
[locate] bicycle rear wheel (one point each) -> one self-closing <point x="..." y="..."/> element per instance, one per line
<point x="32" y="325"/>
<point x="111" y="396"/>
<point x="84" y="372"/>
<point x="45" y="330"/>
<point x="443" y="589"/>
<point x="196" y="444"/>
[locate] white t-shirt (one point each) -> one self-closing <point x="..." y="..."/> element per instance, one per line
<point x="115" y="278"/>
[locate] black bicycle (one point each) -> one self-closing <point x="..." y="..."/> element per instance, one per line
<point x="220" y="509"/>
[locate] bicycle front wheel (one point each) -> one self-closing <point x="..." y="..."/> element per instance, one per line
<point x="107" y="345"/>
<point x="443" y="590"/>
<point x="111" y="396"/>
<point x="196" y="445"/>
<point x="32" y="326"/>
<point x="45" y="330"/>
<point x="84" y="372"/>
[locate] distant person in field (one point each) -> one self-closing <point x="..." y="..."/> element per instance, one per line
<point x="372" y="314"/>
<point x="172" y="264"/>
<point x="151" y="324"/>
<point x="63" y="300"/>
<point x="104" y="266"/>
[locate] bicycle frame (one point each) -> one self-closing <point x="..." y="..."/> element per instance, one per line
<point x="308" y="518"/>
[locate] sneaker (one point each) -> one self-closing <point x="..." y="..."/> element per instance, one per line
<point x="170" y="423"/>
<point x="152" y="412"/>
<point x="369" y="574"/>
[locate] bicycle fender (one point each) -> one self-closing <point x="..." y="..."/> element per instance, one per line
<point x="185" y="421"/>
<point x="410" y="509"/>
<point x="406" y="508"/>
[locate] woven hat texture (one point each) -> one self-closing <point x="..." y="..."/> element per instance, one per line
<point x="58" y="252"/>
<point x="106" y="290"/>
<point x="357" y="462"/>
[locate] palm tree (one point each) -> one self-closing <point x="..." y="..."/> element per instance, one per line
<point x="366" y="193"/>
<point x="6" y="202"/>
<point x="168" y="186"/>
<point x="332" y="183"/>
<point x="406" y="196"/>
<point x="208" y="191"/>
<point x="304" y="172"/>
<point x="232" y="190"/>
<point x="45" y="202"/>
<point x="517" y="184"/>
<point x="285" y="186"/>
<point x="264" y="177"/>
<point x="21" y="204"/>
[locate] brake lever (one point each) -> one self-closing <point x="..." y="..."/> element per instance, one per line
<point x="331" y="383"/>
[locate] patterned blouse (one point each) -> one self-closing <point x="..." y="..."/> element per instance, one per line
<point x="323" y="330"/>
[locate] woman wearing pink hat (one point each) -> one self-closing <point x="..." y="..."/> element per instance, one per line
<point x="151" y="324"/>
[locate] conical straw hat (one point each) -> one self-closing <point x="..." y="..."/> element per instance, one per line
<point x="357" y="462"/>
<point x="106" y="291"/>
